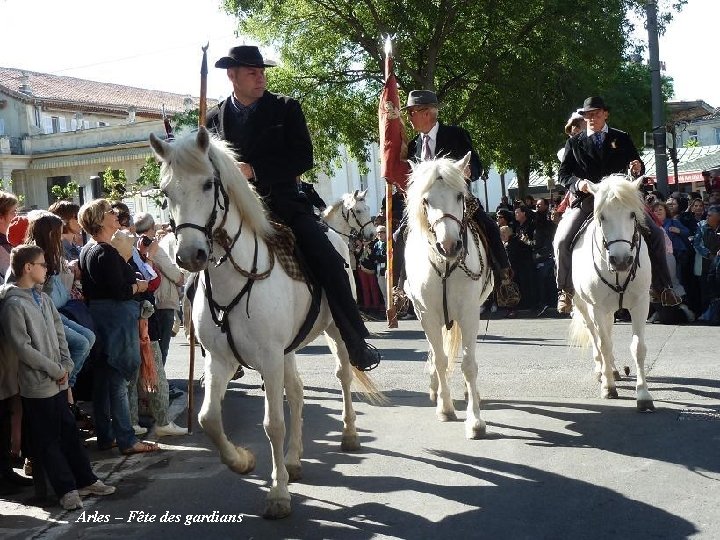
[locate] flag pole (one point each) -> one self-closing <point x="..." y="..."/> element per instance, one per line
<point x="191" y="327"/>
<point x="389" y="304"/>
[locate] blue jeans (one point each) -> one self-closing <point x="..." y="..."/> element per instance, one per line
<point x="166" y="319"/>
<point x="80" y="340"/>
<point x="111" y="406"/>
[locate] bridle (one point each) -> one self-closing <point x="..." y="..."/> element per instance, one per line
<point x="355" y="234"/>
<point x="461" y="260"/>
<point x="218" y="234"/>
<point x="635" y="242"/>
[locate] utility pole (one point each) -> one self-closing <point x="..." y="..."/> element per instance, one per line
<point x="659" y="137"/>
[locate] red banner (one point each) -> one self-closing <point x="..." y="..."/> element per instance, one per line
<point x="393" y="146"/>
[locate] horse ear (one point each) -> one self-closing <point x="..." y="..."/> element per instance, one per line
<point x="362" y="194"/>
<point x="460" y="165"/>
<point x="355" y="193"/>
<point x="638" y="182"/>
<point x="159" y="147"/>
<point x="203" y="139"/>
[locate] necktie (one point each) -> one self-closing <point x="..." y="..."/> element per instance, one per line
<point x="597" y="139"/>
<point x="426" y="147"/>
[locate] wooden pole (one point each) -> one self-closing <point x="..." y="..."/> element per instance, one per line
<point x="191" y="327"/>
<point x="389" y="305"/>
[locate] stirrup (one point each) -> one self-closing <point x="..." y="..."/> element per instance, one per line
<point x="669" y="298"/>
<point x="370" y="357"/>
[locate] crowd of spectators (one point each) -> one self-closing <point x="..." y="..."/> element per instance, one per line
<point x="89" y="303"/>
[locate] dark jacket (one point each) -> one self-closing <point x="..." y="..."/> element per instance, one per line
<point x="452" y="142"/>
<point x="274" y="140"/>
<point x="583" y="161"/>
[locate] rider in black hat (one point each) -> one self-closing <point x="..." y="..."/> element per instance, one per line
<point x="271" y="138"/>
<point x="591" y="155"/>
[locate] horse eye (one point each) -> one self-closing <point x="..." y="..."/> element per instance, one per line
<point x="632" y="215"/>
<point x="602" y="218"/>
<point x="460" y="197"/>
<point x="164" y="204"/>
<point x="207" y="186"/>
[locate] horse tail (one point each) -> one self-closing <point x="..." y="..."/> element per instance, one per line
<point x="369" y="389"/>
<point x="452" y="339"/>
<point x="578" y="335"/>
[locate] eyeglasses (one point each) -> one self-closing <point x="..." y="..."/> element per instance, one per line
<point x="413" y="112"/>
<point x="43" y="264"/>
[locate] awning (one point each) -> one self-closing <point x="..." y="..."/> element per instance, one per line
<point x="691" y="162"/>
<point x="99" y="157"/>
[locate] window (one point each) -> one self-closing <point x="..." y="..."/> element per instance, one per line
<point x="55" y="124"/>
<point x="717" y="135"/>
<point x="692" y="135"/>
<point x="2" y="126"/>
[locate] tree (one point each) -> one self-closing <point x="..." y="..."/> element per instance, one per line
<point x="510" y="72"/>
<point x="65" y="193"/>
<point x="115" y="184"/>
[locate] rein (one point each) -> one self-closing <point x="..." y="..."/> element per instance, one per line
<point x="355" y="234"/>
<point x="635" y="244"/>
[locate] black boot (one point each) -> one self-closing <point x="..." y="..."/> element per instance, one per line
<point x="11" y="477"/>
<point x="364" y="356"/>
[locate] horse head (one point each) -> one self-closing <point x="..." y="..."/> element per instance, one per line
<point x="357" y="214"/>
<point x="436" y="203"/>
<point x="619" y="213"/>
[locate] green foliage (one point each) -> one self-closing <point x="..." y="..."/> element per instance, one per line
<point x="188" y="119"/>
<point x="691" y="143"/>
<point x="115" y="184"/>
<point x="65" y="193"/>
<point x="509" y="72"/>
<point x="149" y="180"/>
<point x="10" y="184"/>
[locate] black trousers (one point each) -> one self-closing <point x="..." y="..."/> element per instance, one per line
<point x="5" y="435"/>
<point x="498" y="255"/>
<point x="54" y="440"/>
<point x="328" y="269"/>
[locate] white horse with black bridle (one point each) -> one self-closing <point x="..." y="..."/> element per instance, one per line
<point x="247" y="308"/>
<point x="610" y="271"/>
<point x="350" y="218"/>
<point x="448" y="278"/>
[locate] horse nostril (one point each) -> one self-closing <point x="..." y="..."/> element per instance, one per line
<point x="613" y="260"/>
<point x="459" y="245"/>
<point x="201" y="256"/>
<point x="440" y="248"/>
<point x="629" y="260"/>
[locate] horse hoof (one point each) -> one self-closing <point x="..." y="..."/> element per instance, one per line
<point x="350" y="443"/>
<point x="447" y="417"/>
<point x="476" y="432"/>
<point x="645" y="405"/>
<point x="294" y="472"/>
<point x="610" y="393"/>
<point x="243" y="468"/>
<point x="277" y="509"/>
<point x="433" y="397"/>
<point x="616" y="375"/>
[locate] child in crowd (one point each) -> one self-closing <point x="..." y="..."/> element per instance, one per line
<point x="32" y="327"/>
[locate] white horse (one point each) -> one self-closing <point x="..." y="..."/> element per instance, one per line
<point x="350" y="218"/>
<point x="245" y="303"/>
<point x="448" y="278"/>
<point x="611" y="270"/>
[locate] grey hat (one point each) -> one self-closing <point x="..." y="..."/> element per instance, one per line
<point x="143" y="222"/>
<point x="244" y="55"/>
<point x="419" y="98"/>
<point x="714" y="209"/>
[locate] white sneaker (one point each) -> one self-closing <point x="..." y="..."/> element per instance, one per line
<point x="139" y="430"/>
<point x="170" y="430"/>
<point x="98" y="488"/>
<point x="71" y="500"/>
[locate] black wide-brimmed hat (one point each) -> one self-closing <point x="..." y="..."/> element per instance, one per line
<point x="244" y="55"/>
<point x="421" y="98"/>
<point x="593" y="104"/>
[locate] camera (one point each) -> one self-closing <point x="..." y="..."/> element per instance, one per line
<point x="146" y="241"/>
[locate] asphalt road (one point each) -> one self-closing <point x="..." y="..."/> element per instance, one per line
<point x="557" y="462"/>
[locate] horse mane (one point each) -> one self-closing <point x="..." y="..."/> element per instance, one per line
<point x="187" y="155"/>
<point x="423" y="176"/>
<point x="617" y="190"/>
<point x="333" y="208"/>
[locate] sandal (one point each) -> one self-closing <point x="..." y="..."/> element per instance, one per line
<point x="141" y="447"/>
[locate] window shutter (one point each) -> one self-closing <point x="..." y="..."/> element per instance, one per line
<point x="63" y="124"/>
<point x="47" y="124"/>
<point x="73" y="124"/>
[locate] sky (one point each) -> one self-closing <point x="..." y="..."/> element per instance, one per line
<point x="156" y="44"/>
